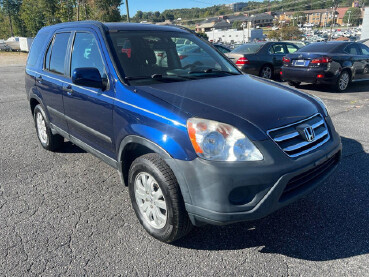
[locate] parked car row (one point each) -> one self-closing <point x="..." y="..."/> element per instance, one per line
<point x="264" y="59"/>
<point x="337" y="63"/>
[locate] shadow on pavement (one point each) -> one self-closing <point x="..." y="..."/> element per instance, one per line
<point x="330" y="223"/>
<point x="71" y="148"/>
<point x="353" y="87"/>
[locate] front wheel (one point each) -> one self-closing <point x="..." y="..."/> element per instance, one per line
<point x="157" y="200"/>
<point x="343" y="81"/>
<point x="266" y="72"/>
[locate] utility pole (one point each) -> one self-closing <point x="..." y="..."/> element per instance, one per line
<point x="77" y="10"/>
<point x="348" y="22"/>
<point x="127" y="11"/>
<point x="334" y="8"/>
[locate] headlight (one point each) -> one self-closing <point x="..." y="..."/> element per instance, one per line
<point x="322" y="104"/>
<point x="220" y="142"/>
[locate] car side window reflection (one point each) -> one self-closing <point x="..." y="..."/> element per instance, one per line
<point x="278" y="49"/>
<point x="364" y="49"/>
<point x="291" y="48"/>
<point x="86" y="53"/>
<point x="351" y="49"/>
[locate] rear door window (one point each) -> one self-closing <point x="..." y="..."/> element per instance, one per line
<point x="291" y="48"/>
<point x="351" y="49"/>
<point x="278" y="48"/>
<point x="56" y="54"/>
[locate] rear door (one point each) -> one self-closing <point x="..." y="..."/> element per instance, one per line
<point x="278" y="51"/>
<point x="357" y="60"/>
<point x="89" y="111"/>
<point x="365" y="55"/>
<point x="53" y="78"/>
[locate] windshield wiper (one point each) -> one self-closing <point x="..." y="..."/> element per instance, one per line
<point x="213" y="70"/>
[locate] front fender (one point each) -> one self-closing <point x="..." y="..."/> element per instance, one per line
<point x="163" y="153"/>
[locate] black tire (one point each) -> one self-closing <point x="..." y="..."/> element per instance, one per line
<point x="294" y="84"/>
<point x="52" y="142"/>
<point x="339" y="86"/>
<point x="177" y="222"/>
<point x="266" y="72"/>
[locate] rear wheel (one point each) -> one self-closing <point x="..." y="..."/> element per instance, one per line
<point x="266" y="72"/>
<point x="294" y="84"/>
<point x="157" y="200"/>
<point x="343" y="81"/>
<point x="45" y="136"/>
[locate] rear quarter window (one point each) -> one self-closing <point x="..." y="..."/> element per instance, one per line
<point x="57" y="52"/>
<point x="36" y="48"/>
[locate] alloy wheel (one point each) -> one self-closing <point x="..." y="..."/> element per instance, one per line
<point x="41" y="128"/>
<point x="266" y="72"/>
<point x="343" y="81"/>
<point x="150" y="200"/>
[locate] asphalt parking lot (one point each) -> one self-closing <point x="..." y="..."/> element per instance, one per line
<point x="67" y="213"/>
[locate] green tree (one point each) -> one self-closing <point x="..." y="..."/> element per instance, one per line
<point x="106" y="10"/>
<point x="49" y="9"/>
<point x="236" y="25"/>
<point x="4" y="25"/>
<point x="274" y="35"/>
<point x="290" y="33"/>
<point x="11" y="10"/>
<point x="32" y="16"/>
<point x="300" y="18"/>
<point x="139" y="15"/>
<point x="66" y="10"/>
<point x="286" y="33"/>
<point x="354" y="14"/>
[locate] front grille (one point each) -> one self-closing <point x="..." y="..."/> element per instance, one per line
<point x="309" y="177"/>
<point x="293" y="143"/>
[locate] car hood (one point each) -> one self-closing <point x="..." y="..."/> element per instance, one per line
<point x="263" y="103"/>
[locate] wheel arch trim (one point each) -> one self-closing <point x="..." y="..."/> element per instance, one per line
<point x="163" y="153"/>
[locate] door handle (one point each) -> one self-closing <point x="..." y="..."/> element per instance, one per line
<point x="68" y="89"/>
<point x="39" y="79"/>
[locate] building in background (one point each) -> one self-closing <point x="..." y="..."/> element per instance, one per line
<point x="236" y="7"/>
<point x="365" y="26"/>
<point x="320" y="17"/>
<point x="226" y="22"/>
<point x="235" y="36"/>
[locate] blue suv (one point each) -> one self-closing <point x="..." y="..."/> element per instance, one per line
<point x="196" y="143"/>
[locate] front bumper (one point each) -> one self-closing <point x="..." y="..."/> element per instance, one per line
<point x="227" y="192"/>
<point x="308" y="75"/>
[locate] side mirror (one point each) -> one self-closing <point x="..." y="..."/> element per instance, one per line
<point x="87" y="77"/>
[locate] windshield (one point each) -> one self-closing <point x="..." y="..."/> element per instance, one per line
<point x="145" y="57"/>
<point x="249" y="48"/>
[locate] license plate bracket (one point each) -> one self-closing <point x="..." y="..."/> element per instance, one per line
<point x="301" y="63"/>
